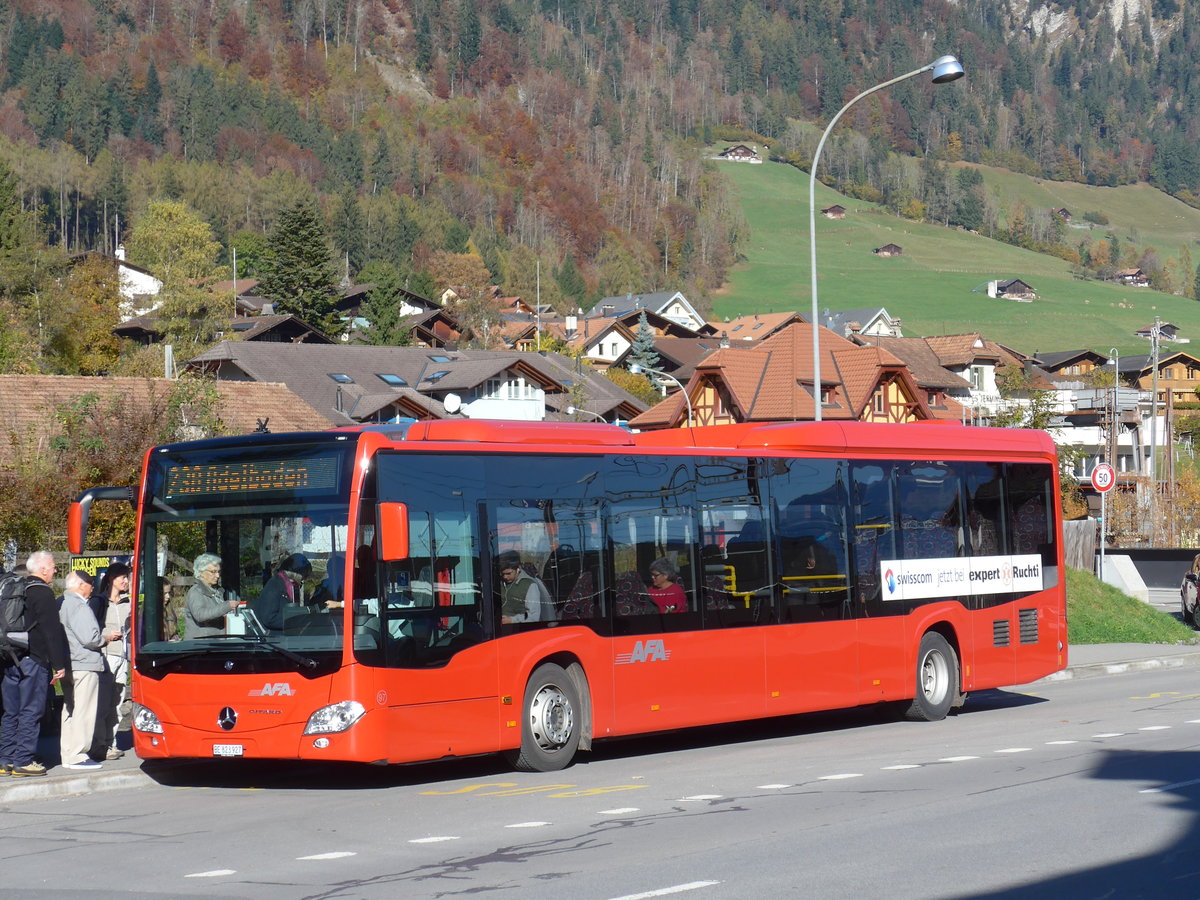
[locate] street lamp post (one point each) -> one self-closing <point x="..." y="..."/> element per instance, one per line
<point x="637" y="369"/>
<point x="945" y="69"/>
<point x="575" y="410"/>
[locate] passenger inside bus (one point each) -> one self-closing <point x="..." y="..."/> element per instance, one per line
<point x="664" y="589"/>
<point x="205" y="608"/>
<point x="523" y="596"/>
<point x="282" y="592"/>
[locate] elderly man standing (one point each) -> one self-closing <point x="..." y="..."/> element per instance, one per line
<point x="28" y="678"/>
<point x="87" y="662"/>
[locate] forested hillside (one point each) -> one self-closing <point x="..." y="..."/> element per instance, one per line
<point x="554" y="137"/>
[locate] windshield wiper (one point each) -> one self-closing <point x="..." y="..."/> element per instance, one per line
<point x="257" y="640"/>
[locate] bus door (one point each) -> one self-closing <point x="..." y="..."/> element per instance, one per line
<point x="437" y="661"/>
<point x="669" y="670"/>
<point x="992" y="659"/>
<point x="812" y="660"/>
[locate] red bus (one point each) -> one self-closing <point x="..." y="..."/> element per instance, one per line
<point x="650" y="582"/>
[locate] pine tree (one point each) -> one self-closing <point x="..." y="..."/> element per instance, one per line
<point x="297" y="274"/>
<point x="383" y="307"/>
<point x="642" y="352"/>
<point x="348" y="230"/>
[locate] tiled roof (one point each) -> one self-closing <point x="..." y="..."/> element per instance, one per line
<point x="755" y="327"/>
<point x="307" y="370"/>
<point x="27" y="401"/>
<point x="923" y="359"/>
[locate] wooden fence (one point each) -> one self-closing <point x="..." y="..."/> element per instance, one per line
<point x="1079" y="538"/>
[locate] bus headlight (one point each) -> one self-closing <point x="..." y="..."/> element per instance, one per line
<point x="334" y="718"/>
<point x="145" y="721"/>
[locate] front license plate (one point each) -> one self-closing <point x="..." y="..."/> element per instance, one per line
<point x="228" y="749"/>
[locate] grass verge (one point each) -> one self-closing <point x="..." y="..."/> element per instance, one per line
<point x="1098" y="613"/>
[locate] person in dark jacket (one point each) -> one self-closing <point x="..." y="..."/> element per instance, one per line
<point x="26" y="681"/>
<point x="281" y="591"/>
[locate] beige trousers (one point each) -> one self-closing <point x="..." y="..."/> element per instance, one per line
<point x="79" y="725"/>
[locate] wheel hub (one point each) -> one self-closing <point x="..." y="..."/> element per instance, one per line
<point x="551" y="718"/>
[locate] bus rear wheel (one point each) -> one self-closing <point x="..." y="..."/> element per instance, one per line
<point x="937" y="680"/>
<point x="550" y="722"/>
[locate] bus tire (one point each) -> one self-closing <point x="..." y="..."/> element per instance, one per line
<point x="936" y="679"/>
<point x="550" y="723"/>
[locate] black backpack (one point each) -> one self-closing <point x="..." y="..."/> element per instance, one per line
<point x="12" y="609"/>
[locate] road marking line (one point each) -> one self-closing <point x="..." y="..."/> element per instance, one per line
<point x="956" y="758"/>
<point x="434" y="840"/>
<point x="901" y="766"/>
<point x="840" y="777"/>
<point x="334" y="854"/>
<point x="662" y="892"/>
<point x="1170" y="787"/>
<point x="699" y="797"/>
<point x="1060" y="743"/>
<point x="527" y="825"/>
<point x="215" y="873"/>
<point x="1154" y="728"/>
<point x="624" y="810"/>
<point x="772" y="787"/>
<point x="1015" y="750"/>
<point x="1107" y="734"/>
<point x="1193" y="721"/>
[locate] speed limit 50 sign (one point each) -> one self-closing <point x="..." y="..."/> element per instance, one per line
<point x="1103" y="478"/>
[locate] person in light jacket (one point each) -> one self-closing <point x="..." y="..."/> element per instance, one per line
<point x="205" y="607"/>
<point x="114" y="603"/>
<point x="86" y="643"/>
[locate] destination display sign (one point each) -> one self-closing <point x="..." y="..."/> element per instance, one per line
<point x="314" y="474"/>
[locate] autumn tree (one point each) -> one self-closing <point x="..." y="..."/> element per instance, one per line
<point x="177" y="246"/>
<point x="81" y="310"/>
<point x="467" y="276"/>
<point x="297" y="274"/>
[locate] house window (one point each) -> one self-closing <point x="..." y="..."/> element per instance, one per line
<point x="932" y="399"/>
<point x="437" y="376"/>
<point x="977" y="378"/>
<point x="439" y="358"/>
<point x="880" y="402"/>
<point x="494" y="389"/>
<point x="613" y="351"/>
<point x="1169" y="373"/>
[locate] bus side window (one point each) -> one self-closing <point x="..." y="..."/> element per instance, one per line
<point x="874" y="535"/>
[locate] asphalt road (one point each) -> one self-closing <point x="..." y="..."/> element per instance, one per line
<point x="1070" y="789"/>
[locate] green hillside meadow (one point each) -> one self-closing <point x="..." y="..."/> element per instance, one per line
<point x="938" y="285"/>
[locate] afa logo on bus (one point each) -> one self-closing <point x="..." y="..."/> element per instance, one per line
<point x="644" y="651"/>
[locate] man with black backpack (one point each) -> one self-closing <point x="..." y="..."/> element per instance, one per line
<point x="29" y="673"/>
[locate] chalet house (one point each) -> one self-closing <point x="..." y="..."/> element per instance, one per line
<point x="740" y="153"/>
<point x="606" y="341"/>
<point x="888" y="250"/>
<point x="755" y="327"/>
<point x="359" y="385"/>
<point x="1166" y="332"/>
<point x="1178" y="376"/>
<point x="1063" y="213"/>
<point x="28" y="404"/>
<point x="837" y="211"/>
<point x="671" y="305"/>
<point x="847" y="322"/>
<point x="773" y="381"/>
<point x="1012" y="289"/>
<point x="138" y="287"/>
<point x="1133" y="277"/>
<point x="1070" y="362"/>
<point x="432" y="328"/>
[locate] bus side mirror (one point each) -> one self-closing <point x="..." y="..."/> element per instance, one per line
<point x="77" y="519"/>
<point x="393" y="531"/>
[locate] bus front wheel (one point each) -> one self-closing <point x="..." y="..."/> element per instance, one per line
<point x="937" y="679"/>
<point x="550" y="722"/>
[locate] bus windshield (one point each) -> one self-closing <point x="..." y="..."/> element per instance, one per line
<point x="243" y="554"/>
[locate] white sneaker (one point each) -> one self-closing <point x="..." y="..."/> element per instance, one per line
<point x="86" y="765"/>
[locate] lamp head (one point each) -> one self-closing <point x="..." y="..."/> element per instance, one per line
<point x="946" y="69"/>
<point x="571" y="410"/>
<point x="635" y="369"/>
